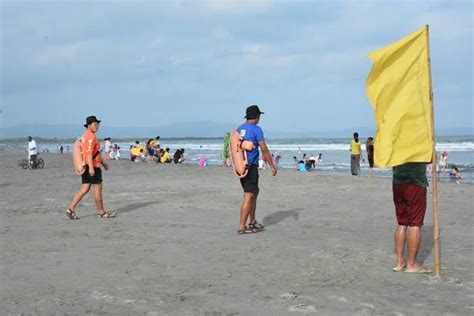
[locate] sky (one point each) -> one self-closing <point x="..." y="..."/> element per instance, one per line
<point x="152" y="63"/>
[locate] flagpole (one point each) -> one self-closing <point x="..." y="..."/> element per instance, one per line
<point x="434" y="174"/>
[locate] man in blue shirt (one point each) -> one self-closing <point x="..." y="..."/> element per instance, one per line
<point x="251" y="132"/>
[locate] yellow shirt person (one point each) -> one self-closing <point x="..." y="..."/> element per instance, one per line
<point x="355" y="155"/>
<point x="165" y="158"/>
<point x="355" y="148"/>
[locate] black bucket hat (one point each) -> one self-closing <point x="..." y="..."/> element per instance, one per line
<point x="90" y="120"/>
<point x="252" y="112"/>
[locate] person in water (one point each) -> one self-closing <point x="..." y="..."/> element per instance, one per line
<point x="369" y="147"/>
<point x="250" y="131"/>
<point x="355" y="155"/>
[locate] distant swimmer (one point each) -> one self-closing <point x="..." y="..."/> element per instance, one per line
<point x="92" y="174"/>
<point x="250" y="131"/>
<point x="455" y="175"/>
<point x="319" y="159"/>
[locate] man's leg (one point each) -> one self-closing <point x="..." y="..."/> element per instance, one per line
<point x="413" y="245"/>
<point x="98" y="198"/>
<point x="353" y="166"/>
<point x="33" y="161"/>
<point x="253" y="207"/>
<point x="247" y="205"/>
<point x="79" y="195"/>
<point x="400" y="238"/>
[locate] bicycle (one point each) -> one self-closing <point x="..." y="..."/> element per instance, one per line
<point x="25" y="164"/>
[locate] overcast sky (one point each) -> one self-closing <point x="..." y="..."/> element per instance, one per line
<point x="154" y="63"/>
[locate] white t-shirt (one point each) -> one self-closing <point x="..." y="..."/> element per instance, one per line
<point x="107" y="146"/>
<point x="32" y="150"/>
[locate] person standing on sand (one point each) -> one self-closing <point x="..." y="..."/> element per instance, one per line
<point x="32" y="152"/>
<point x="355" y="155"/>
<point x="409" y="197"/>
<point x="369" y="147"/>
<point x="92" y="174"/>
<point x="225" y="150"/>
<point x="249" y="131"/>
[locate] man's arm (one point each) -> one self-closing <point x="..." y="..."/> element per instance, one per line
<point x="267" y="156"/>
<point x="89" y="160"/>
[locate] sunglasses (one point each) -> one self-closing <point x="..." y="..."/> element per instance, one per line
<point x="96" y="124"/>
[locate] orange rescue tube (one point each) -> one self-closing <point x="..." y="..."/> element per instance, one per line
<point x="238" y="154"/>
<point x="77" y="156"/>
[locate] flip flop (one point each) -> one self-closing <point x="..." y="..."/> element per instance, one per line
<point x="399" y="269"/>
<point x="256" y="225"/>
<point x="246" y="230"/>
<point x="71" y="214"/>
<point x="106" y="214"/>
<point x="419" y="271"/>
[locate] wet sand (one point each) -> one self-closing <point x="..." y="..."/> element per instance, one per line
<point x="174" y="248"/>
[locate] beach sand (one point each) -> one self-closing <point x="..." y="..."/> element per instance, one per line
<point x="174" y="248"/>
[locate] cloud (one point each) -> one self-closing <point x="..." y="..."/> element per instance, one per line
<point x="221" y="52"/>
<point x="236" y="7"/>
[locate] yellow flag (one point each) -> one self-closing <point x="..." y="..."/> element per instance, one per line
<point x="398" y="87"/>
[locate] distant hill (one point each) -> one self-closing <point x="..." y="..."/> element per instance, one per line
<point x="189" y="129"/>
<point x="186" y="129"/>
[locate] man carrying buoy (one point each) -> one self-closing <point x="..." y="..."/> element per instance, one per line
<point x="92" y="174"/>
<point x="249" y="131"/>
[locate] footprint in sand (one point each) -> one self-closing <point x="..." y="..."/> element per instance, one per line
<point x="302" y="308"/>
<point x="100" y="296"/>
<point x="288" y="295"/>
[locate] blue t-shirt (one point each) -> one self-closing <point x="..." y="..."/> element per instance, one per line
<point x="253" y="133"/>
<point x="302" y="167"/>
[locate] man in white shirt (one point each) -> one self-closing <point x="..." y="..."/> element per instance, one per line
<point x="32" y="152"/>
<point x="312" y="161"/>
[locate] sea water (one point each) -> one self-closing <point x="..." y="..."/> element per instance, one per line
<point x="335" y="152"/>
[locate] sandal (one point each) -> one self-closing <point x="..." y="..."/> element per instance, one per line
<point x="71" y="214"/>
<point x="256" y="225"/>
<point x="106" y="214"/>
<point x="245" y="231"/>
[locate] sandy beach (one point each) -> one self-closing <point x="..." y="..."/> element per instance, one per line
<point x="174" y="248"/>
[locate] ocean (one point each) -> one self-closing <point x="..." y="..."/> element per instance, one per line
<point x="335" y="152"/>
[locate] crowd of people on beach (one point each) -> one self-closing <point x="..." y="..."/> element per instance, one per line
<point x="408" y="178"/>
<point x="151" y="152"/>
<point x="306" y="164"/>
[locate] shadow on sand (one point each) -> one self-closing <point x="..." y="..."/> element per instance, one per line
<point x="427" y="244"/>
<point x="279" y="216"/>
<point x="135" y="206"/>
<point x="128" y="208"/>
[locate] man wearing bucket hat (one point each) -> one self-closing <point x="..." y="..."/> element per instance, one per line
<point x="92" y="174"/>
<point x="251" y="132"/>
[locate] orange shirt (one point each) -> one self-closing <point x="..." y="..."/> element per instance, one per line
<point x="90" y="145"/>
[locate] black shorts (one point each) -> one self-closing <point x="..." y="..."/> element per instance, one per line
<point x="250" y="182"/>
<point x="96" y="179"/>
